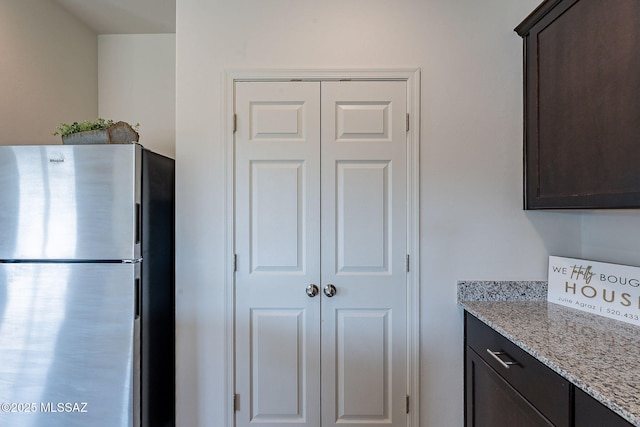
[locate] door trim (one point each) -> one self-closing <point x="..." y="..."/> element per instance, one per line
<point x="412" y="77"/>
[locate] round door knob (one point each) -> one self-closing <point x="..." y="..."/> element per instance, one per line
<point x="330" y="290"/>
<point x="312" y="291"/>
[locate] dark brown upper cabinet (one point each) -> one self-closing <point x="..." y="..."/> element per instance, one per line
<point x="582" y="104"/>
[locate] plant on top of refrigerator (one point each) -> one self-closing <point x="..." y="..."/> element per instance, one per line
<point x="65" y="129"/>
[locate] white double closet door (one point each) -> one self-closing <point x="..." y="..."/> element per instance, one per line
<point x="320" y="202"/>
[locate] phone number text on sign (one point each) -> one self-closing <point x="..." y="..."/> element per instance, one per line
<point x="609" y="290"/>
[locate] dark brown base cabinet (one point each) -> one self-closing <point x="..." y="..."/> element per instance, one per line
<point x="493" y="402"/>
<point x="505" y="386"/>
<point x="591" y="413"/>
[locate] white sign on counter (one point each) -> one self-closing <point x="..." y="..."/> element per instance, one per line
<point x="609" y="290"/>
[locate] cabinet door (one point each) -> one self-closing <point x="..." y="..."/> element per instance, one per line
<point x="490" y="401"/>
<point x="591" y="413"/>
<point x="581" y="104"/>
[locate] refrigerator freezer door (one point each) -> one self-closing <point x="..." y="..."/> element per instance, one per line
<point x="63" y="202"/>
<point x="67" y="350"/>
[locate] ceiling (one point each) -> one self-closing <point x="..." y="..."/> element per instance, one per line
<point x="125" y="16"/>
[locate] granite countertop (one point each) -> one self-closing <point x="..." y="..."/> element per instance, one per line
<point x="599" y="355"/>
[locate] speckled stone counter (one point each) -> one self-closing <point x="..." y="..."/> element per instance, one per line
<point x="599" y="355"/>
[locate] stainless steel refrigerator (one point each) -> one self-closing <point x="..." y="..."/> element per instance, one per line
<point x="86" y="287"/>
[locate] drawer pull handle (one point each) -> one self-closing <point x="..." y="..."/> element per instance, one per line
<point x="496" y="355"/>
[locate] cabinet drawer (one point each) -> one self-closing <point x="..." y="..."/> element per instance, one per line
<point x="491" y="402"/>
<point x="545" y="389"/>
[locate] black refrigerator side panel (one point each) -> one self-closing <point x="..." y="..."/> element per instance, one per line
<point x="158" y="296"/>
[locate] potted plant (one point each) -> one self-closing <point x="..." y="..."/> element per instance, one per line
<point x="100" y="131"/>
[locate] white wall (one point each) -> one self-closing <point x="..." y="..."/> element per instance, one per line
<point x="137" y="85"/>
<point x="472" y="222"/>
<point x="48" y="71"/>
<point x="611" y="236"/>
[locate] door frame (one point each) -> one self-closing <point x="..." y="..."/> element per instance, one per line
<point x="412" y="77"/>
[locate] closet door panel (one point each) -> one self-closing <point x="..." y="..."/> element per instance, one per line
<point x="363" y="174"/>
<point x="277" y="239"/>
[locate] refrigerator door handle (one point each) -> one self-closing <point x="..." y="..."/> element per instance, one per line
<point x="137" y="302"/>
<point x="138" y="224"/>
